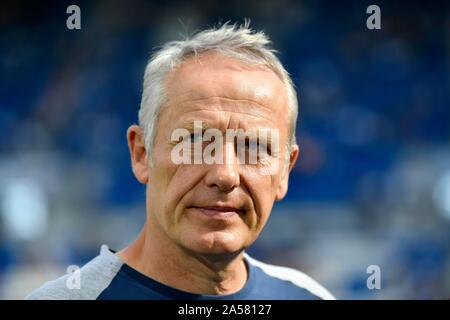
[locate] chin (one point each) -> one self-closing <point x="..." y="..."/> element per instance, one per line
<point x="216" y="243"/>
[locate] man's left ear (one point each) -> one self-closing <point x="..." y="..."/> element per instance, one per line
<point x="283" y="186"/>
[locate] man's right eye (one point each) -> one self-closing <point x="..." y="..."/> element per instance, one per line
<point x="195" y="138"/>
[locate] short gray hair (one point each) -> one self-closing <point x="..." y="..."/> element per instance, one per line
<point x="238" y="41"/>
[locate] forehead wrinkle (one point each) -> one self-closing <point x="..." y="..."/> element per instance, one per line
<point x="225" y="98"/>
<point x="209" y="120"/>
<point x="243" y="106"/>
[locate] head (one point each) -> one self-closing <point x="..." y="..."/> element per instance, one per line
<point x="227" y="78"/>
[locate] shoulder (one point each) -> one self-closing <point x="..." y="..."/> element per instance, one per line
<point x="85" y="283"/>
<point x="294" y="277"/>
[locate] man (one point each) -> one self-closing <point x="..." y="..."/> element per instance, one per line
<point x="203" y="214"/>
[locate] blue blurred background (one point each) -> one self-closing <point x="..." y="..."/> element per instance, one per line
<point x="371" y="187"/>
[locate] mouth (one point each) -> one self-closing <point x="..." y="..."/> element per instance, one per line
<point x="219" y="211"/>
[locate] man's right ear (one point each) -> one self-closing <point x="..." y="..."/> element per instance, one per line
<point x="138" y="153"/>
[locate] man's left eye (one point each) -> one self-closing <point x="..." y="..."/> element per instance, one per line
<point x="258" y="146"/>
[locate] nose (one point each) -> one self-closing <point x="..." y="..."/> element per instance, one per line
<point x="224" y="176"/>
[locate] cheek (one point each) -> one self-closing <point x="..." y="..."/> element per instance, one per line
<point x="172" y="183"/>
<point x="160" y="184"/>
<point x="262" y="190"/>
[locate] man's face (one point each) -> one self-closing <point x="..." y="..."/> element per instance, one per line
<point x="217" y="208"/>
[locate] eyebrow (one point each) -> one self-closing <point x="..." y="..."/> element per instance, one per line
<point x="189" y="125"/>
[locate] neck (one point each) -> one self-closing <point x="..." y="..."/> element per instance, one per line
<point x="159" y="258"/>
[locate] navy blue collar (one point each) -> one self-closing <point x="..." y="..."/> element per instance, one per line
<point x="173" y="293"/>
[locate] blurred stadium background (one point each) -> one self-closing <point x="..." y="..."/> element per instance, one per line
<point x="372" y="186"/>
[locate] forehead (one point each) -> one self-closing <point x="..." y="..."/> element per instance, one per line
<point x="214" y="82"/>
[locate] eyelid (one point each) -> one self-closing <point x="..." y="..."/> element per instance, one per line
<point x="193" y="137"/>
<point x="258" y="143"/>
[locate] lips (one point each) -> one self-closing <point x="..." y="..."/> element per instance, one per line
<point x="219" y="211"/>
